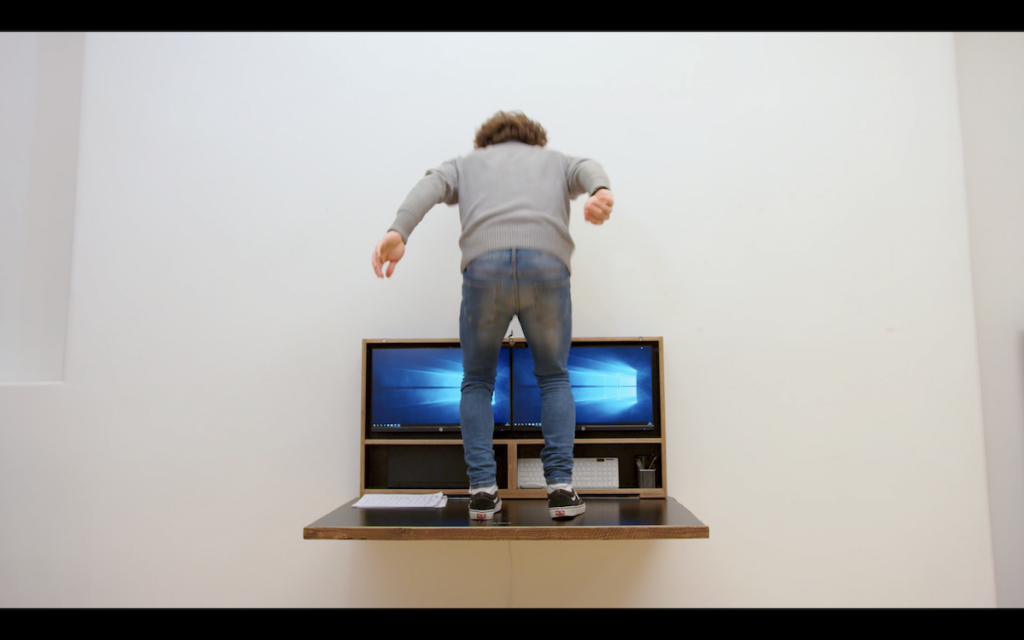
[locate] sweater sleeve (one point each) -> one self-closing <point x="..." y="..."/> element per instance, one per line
<point x="583" y="175"/>
<point x="437" y="186"/>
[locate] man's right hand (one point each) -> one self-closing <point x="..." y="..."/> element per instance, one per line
<point x="598" y="207"/>
<point x="390" y="249"/>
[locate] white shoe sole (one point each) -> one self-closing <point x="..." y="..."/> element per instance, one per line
<point x="567" y="512"/>
<point x="486" y="514"/>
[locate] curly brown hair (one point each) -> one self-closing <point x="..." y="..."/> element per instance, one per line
<point x="504" y="126"/>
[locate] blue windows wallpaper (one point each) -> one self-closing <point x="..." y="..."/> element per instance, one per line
<point x="423" y="387"/>
<point x="612" y="385"/>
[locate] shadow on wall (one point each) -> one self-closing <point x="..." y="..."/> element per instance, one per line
<point x="40" y="159"/>
<point x="579" y="573"/>
<point x="1020" y="351"/>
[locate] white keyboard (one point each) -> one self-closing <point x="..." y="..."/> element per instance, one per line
<point x="587" y="473"/>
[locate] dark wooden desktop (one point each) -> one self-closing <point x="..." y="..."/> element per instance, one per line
<point x="625" y="513"/>
<point x="615" y="518"/>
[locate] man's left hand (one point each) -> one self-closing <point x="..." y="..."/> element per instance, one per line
<point x="598" y="207"/>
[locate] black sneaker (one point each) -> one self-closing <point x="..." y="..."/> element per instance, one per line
<point x="483" y="506"/>
<point x="565" y="504"/>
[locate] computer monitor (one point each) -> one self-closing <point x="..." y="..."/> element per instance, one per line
<point x="418" y="387"/>
<point x="614" y="385"/>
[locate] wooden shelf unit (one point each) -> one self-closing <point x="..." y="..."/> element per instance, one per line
<point x="510" y="445"/>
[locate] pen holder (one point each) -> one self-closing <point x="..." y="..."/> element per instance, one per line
<point x="645" y="471"/>
<point x="646" y="478"/>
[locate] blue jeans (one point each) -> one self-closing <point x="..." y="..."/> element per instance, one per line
<point x="535" y="286"/>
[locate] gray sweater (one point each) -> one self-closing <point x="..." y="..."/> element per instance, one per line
<point x="511" y="195"/>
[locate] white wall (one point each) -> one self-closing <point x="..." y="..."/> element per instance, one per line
<point x="991" y="81"/>
<point x="791" y="217"/>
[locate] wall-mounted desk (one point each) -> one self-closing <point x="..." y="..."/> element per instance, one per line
<point x="398" y="461"/>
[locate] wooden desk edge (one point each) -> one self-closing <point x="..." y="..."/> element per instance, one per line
<point x="502" y="532"/>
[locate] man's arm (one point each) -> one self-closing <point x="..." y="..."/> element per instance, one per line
<point x="439" y="185"/>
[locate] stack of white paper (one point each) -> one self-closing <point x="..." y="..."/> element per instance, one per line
<point x="401" y="501"/>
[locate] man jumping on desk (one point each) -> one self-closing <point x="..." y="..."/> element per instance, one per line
<point x="513" y="197"/>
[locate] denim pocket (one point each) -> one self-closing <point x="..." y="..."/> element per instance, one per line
<point x="551" y="302"/>
<point x="481" y="302"/>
